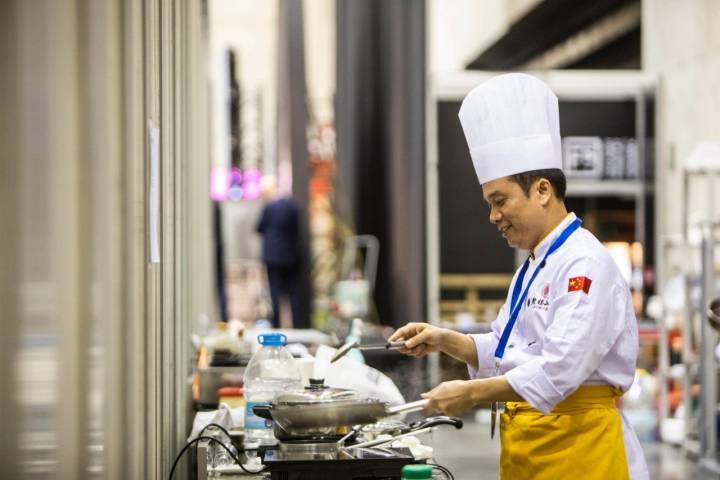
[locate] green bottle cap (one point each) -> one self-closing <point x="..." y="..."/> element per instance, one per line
<point x="417" y="472"/>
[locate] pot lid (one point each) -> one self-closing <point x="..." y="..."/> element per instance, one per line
<point x="316" y="392"/>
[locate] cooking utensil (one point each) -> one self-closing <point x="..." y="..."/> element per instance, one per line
<point x="416" y="429"/>
<point x="342" y="351"/>
<point x="301" y="417"/>
<point x="383" y="427"/>
<point x="434" y="422"/>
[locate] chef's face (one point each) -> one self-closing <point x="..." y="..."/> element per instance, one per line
<point x="520" y="218"/>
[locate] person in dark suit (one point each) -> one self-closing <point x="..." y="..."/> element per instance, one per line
<point x="279" y="226"/>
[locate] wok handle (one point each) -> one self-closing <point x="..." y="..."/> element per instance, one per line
<point x="435" y="421"/>
<point x="263" y="411"/>
<point x="408" y="407"/>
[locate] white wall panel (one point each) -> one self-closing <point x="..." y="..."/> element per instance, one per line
<point x="95" y="338"/>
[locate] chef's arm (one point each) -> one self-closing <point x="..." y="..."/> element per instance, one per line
<point x="483" y="390"/>
<point x="422" y="338"/>
<point x="460" y="347"/>
<point x="456" y="397"/>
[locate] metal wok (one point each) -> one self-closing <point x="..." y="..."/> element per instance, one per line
<point x="339" y="413"/>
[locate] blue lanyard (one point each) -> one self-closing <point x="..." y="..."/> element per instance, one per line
<point x="518" y="299"/>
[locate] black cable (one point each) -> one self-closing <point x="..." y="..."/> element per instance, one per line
<point x="230" y="437"/>
<point x="220" y="427"/>
<point x="445" y="471"/>
<point x="211" y="439"/>
<point x="232" y="440"/>
<point x="215" y="425"/>
<point x="184" y="449"/>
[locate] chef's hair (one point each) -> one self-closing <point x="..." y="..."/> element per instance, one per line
<point x="555" y="176"/>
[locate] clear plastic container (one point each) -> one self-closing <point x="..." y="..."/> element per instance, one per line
<point x="272" y="370"/>
<point x="252" y="458"/>
<point x="217" y="457"/>
<point x="231" y="396"/>
<point x="222" y="457"/>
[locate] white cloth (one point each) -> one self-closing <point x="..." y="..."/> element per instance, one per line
<point x="563" y="339"/>
<point x="353" y="375"/>
<point x="512" y="125"/>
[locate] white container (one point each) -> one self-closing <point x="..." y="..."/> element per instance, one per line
<point x="272" y="370"/>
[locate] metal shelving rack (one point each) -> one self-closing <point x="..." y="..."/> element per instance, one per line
<point x="703" y="164"/>
<point x="670" y="244"/>
<point x="568" y="85"/>
<point x="608" y="188"/>
<point x="699" y="366"/>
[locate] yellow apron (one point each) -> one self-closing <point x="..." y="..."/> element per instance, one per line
<point x="581" y="438"/>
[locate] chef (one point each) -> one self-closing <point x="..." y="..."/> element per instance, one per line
<point x="563" y="348"/>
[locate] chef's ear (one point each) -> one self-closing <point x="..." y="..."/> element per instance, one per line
<point x="544" y="190"/>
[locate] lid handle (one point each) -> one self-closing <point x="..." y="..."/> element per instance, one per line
<point x="316" y="384"/>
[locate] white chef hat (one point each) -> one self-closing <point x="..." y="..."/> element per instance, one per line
<point x="511" y="124"/>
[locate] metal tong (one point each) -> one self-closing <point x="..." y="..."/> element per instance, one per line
<point x="416" y="428"/>
<point x="342" y="351"/>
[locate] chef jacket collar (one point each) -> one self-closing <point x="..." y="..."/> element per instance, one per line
<point x="545" y="243"/>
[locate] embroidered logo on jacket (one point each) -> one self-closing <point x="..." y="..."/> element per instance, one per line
<point x="542" y="302"/>
<point x="577" y="284"/>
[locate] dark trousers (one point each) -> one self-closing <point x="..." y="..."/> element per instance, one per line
<point x="284" y="284"/>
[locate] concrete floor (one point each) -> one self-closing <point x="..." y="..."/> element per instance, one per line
<point x="471" y="455"/>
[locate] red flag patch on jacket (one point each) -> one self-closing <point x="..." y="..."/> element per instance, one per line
<point x="576" y="284"/>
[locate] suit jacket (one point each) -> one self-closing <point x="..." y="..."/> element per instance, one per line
<point x="279" y="225"/>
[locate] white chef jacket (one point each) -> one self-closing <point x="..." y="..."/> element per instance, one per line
<point x="565" y="337"/>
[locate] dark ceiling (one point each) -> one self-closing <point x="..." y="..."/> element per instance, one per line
<point x="550" y="23"/>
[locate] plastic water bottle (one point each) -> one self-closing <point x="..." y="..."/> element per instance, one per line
<point x="271" y="371"/>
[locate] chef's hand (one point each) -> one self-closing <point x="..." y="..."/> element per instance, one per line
<point x="420" y="339"/>
<point x="451" y="398"/>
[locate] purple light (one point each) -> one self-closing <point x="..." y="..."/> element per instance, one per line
<point x="251" y="185"/>
<point x="235" y="191"/>
<point x="235" y="176"/>
<point x="219" y="183"/>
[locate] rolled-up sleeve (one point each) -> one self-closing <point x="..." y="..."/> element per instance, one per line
<point x="583" y="329"/>
<point x="485" y="344"/>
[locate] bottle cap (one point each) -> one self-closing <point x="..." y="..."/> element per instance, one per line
<point x="272" y="339"/>
<point x="417" y="471"/>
